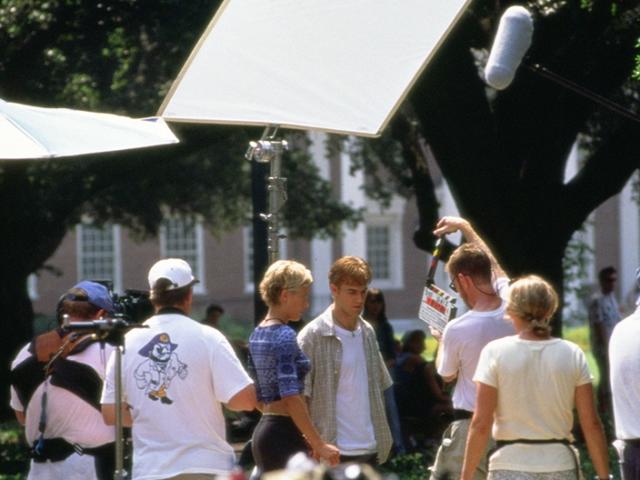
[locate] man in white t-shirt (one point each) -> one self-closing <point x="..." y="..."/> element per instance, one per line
<point x="68" y="438"/>
<point x="175" y="375"/>
<point x="348" y="376"/>
<point x="624" y="362"/>
<point x="481" y="283"/>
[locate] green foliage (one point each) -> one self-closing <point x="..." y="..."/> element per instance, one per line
<point x="387" y="173"/>
<point x="576" y="264"/>
<point x="587" y="466"/>
<point x="579" y="336"/>
<point x="413" y="466"/>
<point x="14" y="459"/>
<point x="636" y="70"/>
<point x="306" y="188"/>
<point x="236" y="330"/>
<point x="124" y="54"/>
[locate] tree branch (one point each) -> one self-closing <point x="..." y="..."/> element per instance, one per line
<point x="604" y="174"/>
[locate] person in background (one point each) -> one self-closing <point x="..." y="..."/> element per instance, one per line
<point x="375" y="312"/>
<point x="419" y="394"/>
<point x="279" y="367"/>
<point x="212" y="315"/>
<point x="348" y="376"/>
<point x="604" y="314"/>
<point x="624" y="364"/>
<point x="528" y="386"/>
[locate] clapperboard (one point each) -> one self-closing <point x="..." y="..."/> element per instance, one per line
<point x="437" y="306"/>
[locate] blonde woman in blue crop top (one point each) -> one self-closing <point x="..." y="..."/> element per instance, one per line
<point x="278" y="367"/>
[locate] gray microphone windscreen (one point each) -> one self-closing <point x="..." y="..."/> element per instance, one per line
<point x="512" y="41"/>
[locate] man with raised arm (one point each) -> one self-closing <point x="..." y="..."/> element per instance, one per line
<point x="481" y="283"/>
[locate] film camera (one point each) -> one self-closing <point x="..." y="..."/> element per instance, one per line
<point x="134" y="305"/>
<point x="131" y="309"/>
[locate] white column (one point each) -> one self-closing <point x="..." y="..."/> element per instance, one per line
<point x="354" y="241"/>
<point x="321" y="249"/>
<point x="629" y="245"/>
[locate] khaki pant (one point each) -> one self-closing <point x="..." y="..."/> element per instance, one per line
<point x="450" y="455"/>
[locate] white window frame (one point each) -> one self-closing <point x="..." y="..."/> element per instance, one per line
<point x="199" y="271"/>
<point x="117" y="254"/>
<point x="393" y="221"/>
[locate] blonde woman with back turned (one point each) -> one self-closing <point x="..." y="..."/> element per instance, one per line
<point x="528" y="385"/>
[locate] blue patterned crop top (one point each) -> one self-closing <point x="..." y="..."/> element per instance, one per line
<point x="276" y="363"/>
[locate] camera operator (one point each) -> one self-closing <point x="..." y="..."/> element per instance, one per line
<point x="56" y="382"/>
<point x="175" y="374"/>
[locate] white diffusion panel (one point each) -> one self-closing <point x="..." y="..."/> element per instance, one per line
<point x="28" y="132"/>
<point x="334" y="65"/>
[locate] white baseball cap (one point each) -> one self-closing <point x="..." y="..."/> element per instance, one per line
<point x="176" y="270"/>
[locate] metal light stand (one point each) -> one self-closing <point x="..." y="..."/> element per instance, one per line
<point x="110" y="330"/>
<point x="269" y="150"/>
<point x="119" y="473"/>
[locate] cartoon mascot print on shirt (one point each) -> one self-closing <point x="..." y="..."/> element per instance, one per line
<point x="162" y="364"/>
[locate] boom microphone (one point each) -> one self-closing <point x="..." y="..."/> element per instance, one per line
<point x="511" y="42"/>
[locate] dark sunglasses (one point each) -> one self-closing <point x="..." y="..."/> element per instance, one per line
<point x="452" y="286"/>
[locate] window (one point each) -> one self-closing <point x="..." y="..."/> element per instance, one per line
<point x="181" y="238"/>
<point x="99" y="253"/>
<point x="379" y="251"/>
<point x="384" y="250"/>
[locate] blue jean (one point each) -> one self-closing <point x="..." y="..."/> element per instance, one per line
<point x="394" y="420"/>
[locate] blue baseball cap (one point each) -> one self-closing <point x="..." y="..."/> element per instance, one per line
<point x="97" y="294"/>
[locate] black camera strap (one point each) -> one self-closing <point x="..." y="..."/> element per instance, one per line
<point x="78" y="378"/>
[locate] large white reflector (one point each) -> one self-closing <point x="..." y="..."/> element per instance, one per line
<point x="334" y="65"/>
<point x="36" y="132"/>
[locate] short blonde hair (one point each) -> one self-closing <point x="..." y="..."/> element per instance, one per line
<point x="283" y="275"/>
<point x="532" y="299"/>
<point x="350" y="270"/>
